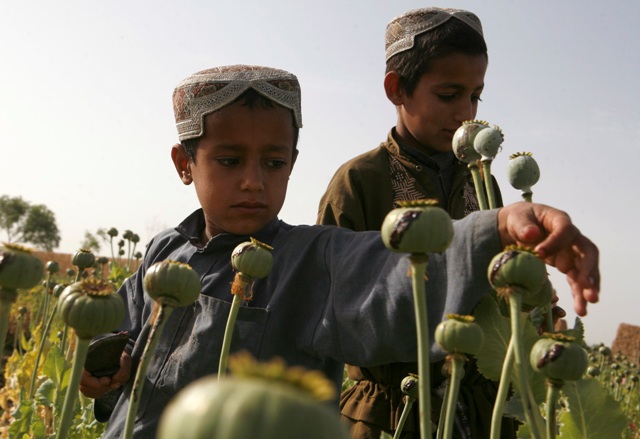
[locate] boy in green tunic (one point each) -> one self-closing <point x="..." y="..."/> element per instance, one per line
<point x="436" y="62"/>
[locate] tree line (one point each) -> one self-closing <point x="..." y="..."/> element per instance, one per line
<point x="23" y="222"/>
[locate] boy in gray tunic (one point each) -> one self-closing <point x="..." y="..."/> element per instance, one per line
<point x="238" y="128"/>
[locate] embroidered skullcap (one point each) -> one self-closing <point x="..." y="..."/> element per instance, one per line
<point x="210" y="90"/>
<point x="402" y="30"/>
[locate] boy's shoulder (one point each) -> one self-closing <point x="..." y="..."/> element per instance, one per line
<point x="373" y="161"/>
<point x="164" y="243"/>
<point x="170" y="239"/>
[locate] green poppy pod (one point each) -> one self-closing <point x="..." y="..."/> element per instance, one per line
<point x="91" y="307"/>
<point x="58" y="289"/>
<point x="83" y="259"/>
<point x="541" y="298"/>
<point x="52" y="267"/>
<point x="463" y="138"/>
<point x="523" y="171"/>
<point x="593" y="371"/>
<point x="172" y="283"/>
<point x="559" y="358"/>
<point x="252" y="259"/>
<point x="247" y="408"/>
<point x="459" y="335"/>
<point x="519" y="268"/>
<point x="487" y="142"/>
<point x="417" y="227"/>
<point x="604" y="350"/>
<point x="409" y="386"/>
<point x="19" y="267"/>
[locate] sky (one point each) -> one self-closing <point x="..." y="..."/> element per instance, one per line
<point x="86" y="122"/>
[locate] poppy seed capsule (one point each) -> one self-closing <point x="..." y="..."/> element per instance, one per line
<point x="523" y="171"/>
<point x="463" y="138"/>
<point x="417" y="227"/>
<point x="459" y="335"/>
<point x="559" y="358"/>
<point x="247" y="408"/>
<point x="252" y="259"/>
<point x="52" y="267"/>
<point x="83" y="259"/>
<point x="487" y="142"/>
<point x="172" y="283"/>
<point x="409" y="386"/>
<point x="91" y="307"/>
<point x="519" y="268"/>
<point x="19" y="268"/>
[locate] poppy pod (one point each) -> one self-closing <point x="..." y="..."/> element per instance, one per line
<point x="91" y="307"/>
<point x="417" y="227"/>
<point x="19" y="268"/>
<point x="172" y="283"/>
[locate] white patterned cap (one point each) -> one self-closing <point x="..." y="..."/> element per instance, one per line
<point x="402" y="30"/>
<point x="210" y="90"/>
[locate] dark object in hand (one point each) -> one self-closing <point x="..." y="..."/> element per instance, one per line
<point x="103" y="357"/>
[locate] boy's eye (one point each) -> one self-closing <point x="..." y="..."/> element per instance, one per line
<point x="276" y="163"/>
<point x="447" y="97"/>
<point x="476" y="98"/>
<point x="228" y="161"/>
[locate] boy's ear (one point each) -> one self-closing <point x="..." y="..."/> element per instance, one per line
<point x="393" y="88"/>
<point x="182" y="163"/>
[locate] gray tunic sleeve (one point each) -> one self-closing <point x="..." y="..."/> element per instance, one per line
<point x="369" y="318"/>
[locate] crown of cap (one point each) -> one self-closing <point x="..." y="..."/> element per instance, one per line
<point x="402" y="30"/>
<point x="210" y="90"/>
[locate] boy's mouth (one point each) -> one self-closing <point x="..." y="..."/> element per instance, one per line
<point x="250" y="206"/>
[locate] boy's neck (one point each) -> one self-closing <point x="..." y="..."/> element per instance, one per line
<point x="420" y="147"/>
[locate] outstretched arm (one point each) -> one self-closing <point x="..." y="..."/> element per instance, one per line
<point x="559" y="242"/>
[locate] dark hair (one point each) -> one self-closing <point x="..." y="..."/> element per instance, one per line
<point x="250" y="99"/>
<point x="454" y="36"/>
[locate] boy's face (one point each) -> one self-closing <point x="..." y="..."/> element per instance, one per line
<point x="242" y="167"/>
<point x="444" y="97"/>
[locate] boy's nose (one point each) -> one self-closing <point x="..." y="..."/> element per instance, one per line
<point x="252" y="179"/>
<point x="465" y="111"/>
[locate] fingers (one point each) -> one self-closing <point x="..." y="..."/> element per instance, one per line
<point x="521" y="223"/>
<point x="92" y="386"/>
<point x="124" y="373"/>
<point x="95" y="387"/>
<point x="559" y="242"/>
<point x="558" y="313"/>
<point x="581" y="294"/>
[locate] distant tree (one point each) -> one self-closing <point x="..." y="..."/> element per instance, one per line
<point x="26" y="223"/>
<point x="90" y="242"/>
<point x="12" y="211"/>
